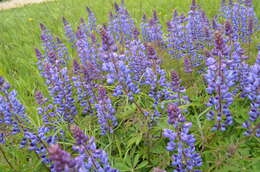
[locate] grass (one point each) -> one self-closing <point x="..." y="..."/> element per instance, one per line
<point x="20" y="34"/>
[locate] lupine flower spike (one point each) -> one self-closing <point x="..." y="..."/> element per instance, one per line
<point x="182" y="144"/>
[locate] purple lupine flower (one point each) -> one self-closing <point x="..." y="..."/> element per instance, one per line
<point x="2" y="138"/>
<point x="78" y="84"/>
<point x="83" y="46"/>
<point x="136" y="34"/>
<point x="137" y="59"/>
<point x="174" y="115"/>
<point x="248" y="3"/>
<point x="228" y="29"/>
<point x="108" y="43"/>
<point x="116" y="68"/>
<point x="48" y="42"/>
<point x="63" y="96"/>
<point x="237" y="64"/>
<point x="188" y="36"/>
<point x="90" y="158"/>
<point x="90" y="73"/>
<point x="78" y="135"/>
<point x="155" y="78"/>
<point x="15" y="120"/>
<point x="155" y="28"/>
<point x="121" y="25"/>
<point x="92" y="26"/>
<point x="62" y="52"/>
<point x="252" y="90"/>
<point x="83" y="27"/>
<point x="38" y="142"/>
<point x="60" y="90"/>
<point x="82" y="89"/>
<point x="152" y="29"/>
<point x="219" y="79"/>
<point x="196" y="24"/>
<point x="45" y="108"/>
<point x="243" y="18"/>
<point x="85" y="83"/>
<point x="13" y="116"/>
<point x="177" y="38"/>
<point x="187" y="65"/>
<point x="193" y="5"/>
<point x="105" y="112"/>
<point x="250" y="28"/>
<point x="182" y="144"/>
<point x="56" y="76"/>
<point x="215" y="25"/>
<point x="126" y="80"/>
<point x="70" y="34"/>
<point x="55" y="52"/>
<point x="152" y="55"/>
<point x="63" y="161"/>
<point x="144" y="28"/>
<point x="87" y="48"/>
<point x="178" y="90"/>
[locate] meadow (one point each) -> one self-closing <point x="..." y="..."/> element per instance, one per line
<point x="128" y="111"/>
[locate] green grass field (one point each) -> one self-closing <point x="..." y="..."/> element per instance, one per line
<point x="20" y="34"/>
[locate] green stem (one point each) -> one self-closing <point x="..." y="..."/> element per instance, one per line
<point x="148" y="140"/>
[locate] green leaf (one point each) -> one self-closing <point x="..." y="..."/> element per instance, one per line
<point x="138" y="139"/>
<point x="122" y="166"/>
<point x="142" y="165"/>
<point x="136" y="159"/>
<point x="162" y="124"/>
<point x="135" y="139"/>
<point x="159" y="148"/>
<point x="127" y="160"/>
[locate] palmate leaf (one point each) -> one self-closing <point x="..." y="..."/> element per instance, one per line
<point x="135" y="139"/>
<point x="143" y="164"/>
<point x="122" y="166"/>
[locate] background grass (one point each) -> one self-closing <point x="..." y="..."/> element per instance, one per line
<point x="20" y="34"/>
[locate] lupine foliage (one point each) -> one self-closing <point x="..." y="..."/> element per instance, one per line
<point x="111" y="106"/>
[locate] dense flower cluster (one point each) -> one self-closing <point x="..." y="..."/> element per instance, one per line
<point x="188" y="35"/>
<point x="52" y="67"/>
<point x="181" y="143"/>
<point x="69" y="32"/>
<point x="220" y="79"/>
<point x="121" y="25"/>
<point x="105" y="112"/>
<point x="177" y="37"/>
<point x="15" y="120"/>
<point x="89" y="156"/>
<point x="115" y="77"/>
<point x="187" y="65"/>
<point x="178" y="90"/>
<point x="62" y="159"/>
<point x="252" y="90"/>
<point x="12" y="112"/>
<point x="243" y="18"/>
<point x="152" y="29"/>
